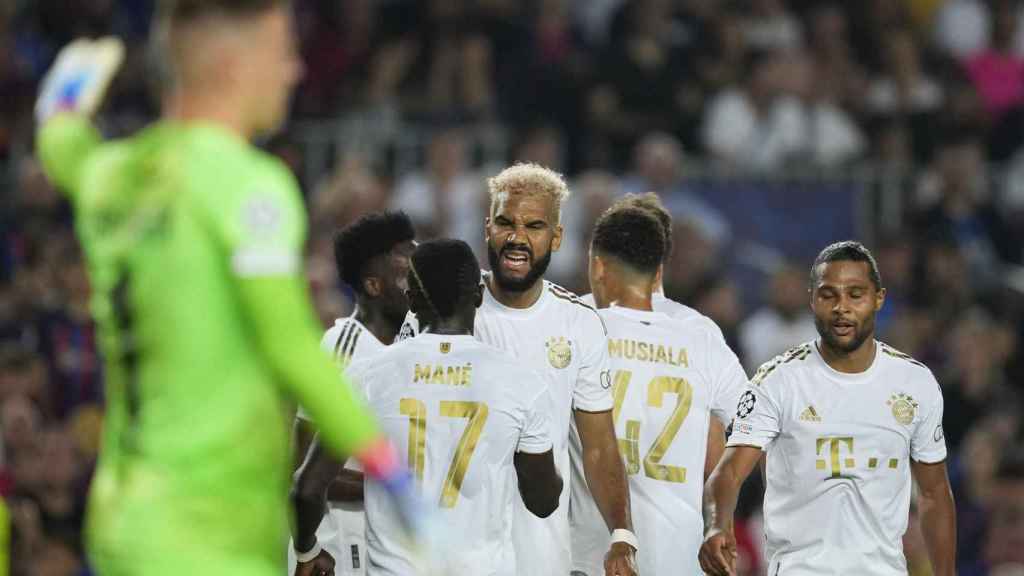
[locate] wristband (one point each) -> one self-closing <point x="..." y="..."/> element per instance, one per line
<point x="308" y="556"/>
<point x="623" y="535"/>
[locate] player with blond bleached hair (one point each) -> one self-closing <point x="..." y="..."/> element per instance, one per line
<point x="553" y="332"/>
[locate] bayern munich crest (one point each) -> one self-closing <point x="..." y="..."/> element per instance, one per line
<point x="559" y="352"/>
<point x="903" y="408"/>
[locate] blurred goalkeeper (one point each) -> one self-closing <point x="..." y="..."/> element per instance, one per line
<point x="194" y="240"/>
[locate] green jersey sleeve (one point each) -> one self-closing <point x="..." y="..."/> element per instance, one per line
<point x="263" y="230"/>
<point x="64" y="144"/>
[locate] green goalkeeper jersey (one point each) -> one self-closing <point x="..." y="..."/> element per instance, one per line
<point x="193" y="240"/>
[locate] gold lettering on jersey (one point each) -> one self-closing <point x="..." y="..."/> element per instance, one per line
<point x="833" y="462"/>
<point x="444" y="375"/>
<point x="648" y="352"/>
<point x="832" y="458"/>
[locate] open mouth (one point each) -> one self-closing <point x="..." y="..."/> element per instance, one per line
<point x="843" y="328"/>
<point x="515" y="259"/>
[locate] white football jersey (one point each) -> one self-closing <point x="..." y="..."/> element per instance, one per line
<point x="670" y="376"/>
<point x="663" y="304"/>
<point x="839" y="448"/>
<point x="342" y="531"/>
<point x="563" y="339"/>
<point x="458" y="410"/>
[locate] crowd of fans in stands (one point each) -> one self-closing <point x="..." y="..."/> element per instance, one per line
<point x="622" y="96"/>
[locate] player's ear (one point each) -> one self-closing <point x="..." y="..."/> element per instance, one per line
<point x="556" y="241"/>
<point x="879" y="299"/>
<point x="487" y="229"/>
<point x="478" y="298"/>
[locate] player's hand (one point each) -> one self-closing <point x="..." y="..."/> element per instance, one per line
<point x="620" y="560"/>
<point x="322" y="565"/>
<point x="79" y="77"/>
<point x="718" y="553"/>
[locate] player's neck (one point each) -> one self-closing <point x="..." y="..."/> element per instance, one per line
<point x="204" y="106"/>
<point x="455" y="326"/>
<point x="853" y="362"/>
<point x="634" y="297"/>
<point x="512" y="299"/>
<point x="377" y="323"/>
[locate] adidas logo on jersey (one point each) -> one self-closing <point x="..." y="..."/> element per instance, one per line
<point x="810" y="415"/>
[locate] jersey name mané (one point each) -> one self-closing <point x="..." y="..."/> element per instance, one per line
<point x="458" y="410"/>
<point x="563" y="340"/>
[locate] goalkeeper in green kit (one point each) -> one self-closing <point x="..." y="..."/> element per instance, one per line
<point x="193" y="240"/>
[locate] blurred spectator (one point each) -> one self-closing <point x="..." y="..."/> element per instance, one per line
<point x="1004" y="546"/>
<point x="592" y="193"/>
<point x="998" y="72"/>
<point x="658" y="167"/>
<point x="444" y="200"/>
<point x="718" y="298"/>
<point x="962" y="27"/>
<point x="834" y="62"/>
<point x="640" y="85"/>
<point x="975" y="378"/>
<point x="337" y="49"/>
<point x="756" y="125"/>
<point x="766" y="125"/>
<point x="957" y="207"/>
<point x="783" y="323"/>
<point x="905" y="88"/>
<point x="771" y="27"/>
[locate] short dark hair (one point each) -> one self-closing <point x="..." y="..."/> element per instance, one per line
<point x="851" y="251"/>
<point x="651" y="202"/>
<point x="183" y="11"/>
<point x="446" y="273"/>
<point x="370" y="236"/>
<point x="632" y="235"/>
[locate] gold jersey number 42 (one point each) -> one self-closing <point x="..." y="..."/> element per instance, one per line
<point x="629" y="445"/>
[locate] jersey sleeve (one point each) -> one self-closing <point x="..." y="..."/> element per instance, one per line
<point x="535" y="437"/>
<point x="928" y="442"/>
<point x="758" y="417"/>
<point x="727" y="377"/>
<point x="592" y="392"/>
<point x="63" y="145"/>
<point x="263" y="223"/>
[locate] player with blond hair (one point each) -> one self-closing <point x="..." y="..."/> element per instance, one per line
<point x="552" y="331"/>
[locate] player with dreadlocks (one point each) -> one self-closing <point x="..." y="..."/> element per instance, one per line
<point x="469" y="417"/>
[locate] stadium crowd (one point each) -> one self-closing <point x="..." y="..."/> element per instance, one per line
<point x="623" y="96"/>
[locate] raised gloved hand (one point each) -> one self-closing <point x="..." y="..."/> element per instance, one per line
<point x="79" y="77"/>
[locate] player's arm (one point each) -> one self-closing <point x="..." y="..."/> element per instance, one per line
<point x="282" y="322"/>
<point x="602" y="461"/>
<point x="309" y="493"/>
<point x="261" y="224"/>
<point x="606" y="477"/>
<point x="539" y="482"/>
<point x="716" y="446"/>
<point x="718" y="553"/>
<point x="70" y="93"/>
<point x="938" y="515"/>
